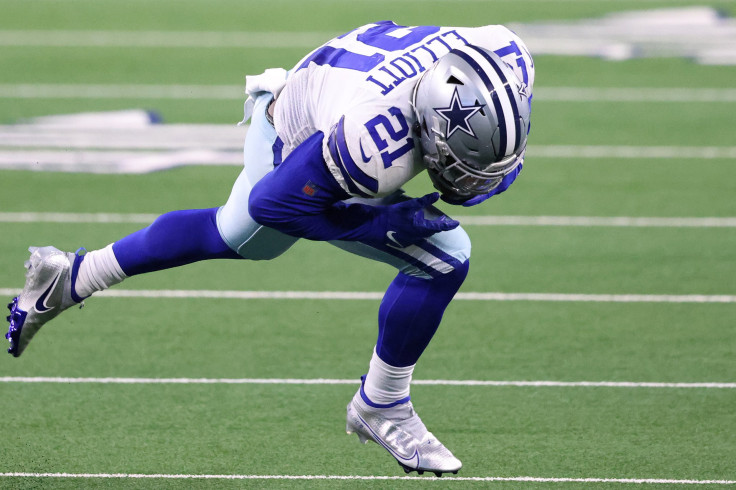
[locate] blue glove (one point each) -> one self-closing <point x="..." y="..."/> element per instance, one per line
<point x="505" y="183"/>
<point x="403" y="224"/>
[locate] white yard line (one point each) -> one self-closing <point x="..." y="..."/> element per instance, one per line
<point x="445" y="479"/>
<point x="140" y="218"/>
<point x="325" y="381"/>
<point x="612" y="221"/>
<point x="374" y="296"/>
<point x="106" y="162"/>
<point x="114" y="161"/>
<point x="130" y="91"/>
<point x="633" y="94"/>
<point x="163" y="39"/>
<point x="235" y="92"/>
<point x="599" y="221"/>
<point x="637" y="152"/>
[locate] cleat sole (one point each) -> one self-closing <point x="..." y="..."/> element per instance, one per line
<point x="421" y="471"/>
<point x="16" y="319"/>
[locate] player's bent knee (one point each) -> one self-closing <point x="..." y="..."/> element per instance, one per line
<point x="460" y="245"/>
<point x="455" y="243"/>
<point x="249" y="239"/>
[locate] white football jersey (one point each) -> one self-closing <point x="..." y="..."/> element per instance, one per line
<point x="357" y="89"/>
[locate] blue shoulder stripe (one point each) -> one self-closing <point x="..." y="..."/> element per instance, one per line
<point x="332" y="146"/>
<point x="347" y="162"/>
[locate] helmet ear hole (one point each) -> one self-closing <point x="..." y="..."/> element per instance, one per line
<point x="482" y="112"/>
<point x="454" y="81"/>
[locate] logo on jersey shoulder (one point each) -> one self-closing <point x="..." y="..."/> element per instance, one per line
<point x="365" y="158"/>
<point x="457" y="115"/>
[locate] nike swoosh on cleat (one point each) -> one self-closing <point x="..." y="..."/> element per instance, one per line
<point x="412" y="462"/>
<point x="362" y="153"/>
<point x="41" y="301"/>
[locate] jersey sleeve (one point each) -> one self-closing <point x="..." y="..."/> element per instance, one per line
<point x="371" y="155"/>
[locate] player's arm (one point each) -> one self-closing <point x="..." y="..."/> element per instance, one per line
<point x="302" y="199"/>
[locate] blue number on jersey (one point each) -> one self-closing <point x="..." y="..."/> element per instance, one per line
<point x="399" y="134"/>
<point x="376" y="37"/>
<point x="513" y="48"/>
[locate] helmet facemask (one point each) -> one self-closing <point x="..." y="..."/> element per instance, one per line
<point x="458" y="178"/>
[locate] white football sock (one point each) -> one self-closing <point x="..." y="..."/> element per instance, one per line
<point x="385" y="384"/>
<point x="99" y="270"/>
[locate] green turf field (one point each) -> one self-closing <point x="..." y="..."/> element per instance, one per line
<point x="261" y="434"/>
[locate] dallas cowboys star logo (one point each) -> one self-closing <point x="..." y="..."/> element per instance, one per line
<point x="457" y="115"/>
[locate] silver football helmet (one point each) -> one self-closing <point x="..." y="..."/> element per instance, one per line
<point x="473" y="120"/>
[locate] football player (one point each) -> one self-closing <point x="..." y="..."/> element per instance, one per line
<point x="330" y="144"/>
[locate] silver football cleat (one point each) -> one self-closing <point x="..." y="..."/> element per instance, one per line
<point x="47" y="292"/>
<point x="401" y="432"/>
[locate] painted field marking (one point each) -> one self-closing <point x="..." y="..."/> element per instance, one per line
<point x="138" y="162"/>
<point x="632" y="94"/>
<point x="376" y="296"/>
<point x="446" y="479"/>
<point x="638" y="152"/>
<point x="326" y="381"/>
<point x="94" y="161"/>
<point x="140" y="218"/>
<point x="73" y="144"/>
<point x="235" y="92"/>
<point x="612" y="221"/>
<point x="163" y="39"/>
<point x="118" y="91"/>
<point x="601" y="221"/>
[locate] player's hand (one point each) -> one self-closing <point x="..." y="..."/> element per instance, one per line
<point x="505" y="183"/>
<point x="406" y="225"/>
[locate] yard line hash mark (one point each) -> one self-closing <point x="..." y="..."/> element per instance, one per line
<point x="603" y="221"/>
<point x="531" y="479"/>
<point x="162" y="39"/>
<point x="109" y="159"/>
<point x="376" y="296"/>
<point x="235" y="92"/>
<point x="326" y="381"/>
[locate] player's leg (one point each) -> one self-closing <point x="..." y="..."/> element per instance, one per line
<point x="57" y="280"/>
<point x="430" y="273"/>
<point x="183" y="237"/>
<point x="262" y="154"/>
